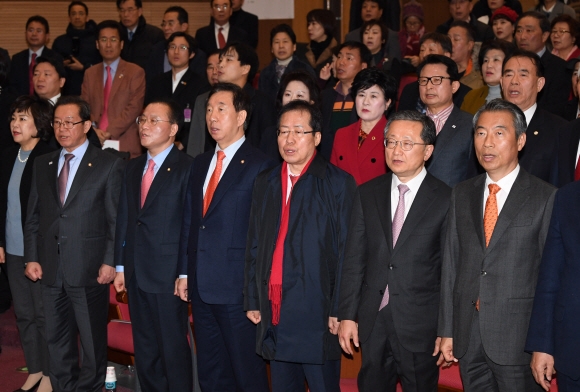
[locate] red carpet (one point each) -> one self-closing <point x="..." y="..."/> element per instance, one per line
<point x="12" y="356"/>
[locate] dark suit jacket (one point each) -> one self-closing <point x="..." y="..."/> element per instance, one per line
<point x="247" y="22"/>
<point x="567" y="151"/>
<point x="412" y="269"/>
<point x="483" y="32"/>
<point x="555" y="320"/>
<point x="567" y="111"/>
<point x="540" y="154"/>
<point x="453" y="158"/>
<point x="205" y="37"/>
<point x="269" y="84"/>
<point x="313" y="255"/>
<point x="391" y="14"/>
<point x="6" y="166"/>
<point x="147" y="239"/>
<point x="558" y="85"/>
<point x="502" y="276"/>
<point x="189" y="88"/>
<point x="212" y="247"/>
<point x="19" y="70"/>
<point x="138" y="50"/>
<point x="410" y="96"/>
<point x="154" y="67"/>
<point x="80" y="234"/>
<point x="328" y="98"/>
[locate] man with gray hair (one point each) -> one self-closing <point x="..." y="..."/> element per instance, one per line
<point x="496" y="229"/>
<point x="396" y="307"/>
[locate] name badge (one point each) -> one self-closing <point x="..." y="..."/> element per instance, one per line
<point x="187" y="114"/>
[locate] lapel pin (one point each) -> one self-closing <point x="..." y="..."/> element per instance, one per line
<point x="90" y="164"/>
<point x="168" y="169"/>
<point x="50" y="163"/>
<point x="242" y="161"/>
<point x="535" y="132"/>
<point x="453" y="126"/>
<point x="373" y="138"/>
<point x="185" y="84"/>
<point x="120" y="76"/>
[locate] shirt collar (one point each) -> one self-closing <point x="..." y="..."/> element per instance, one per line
<point x="226" y="27"/>
<point x="232" y="148"/>
<point x="160" y="158"/>
<point x="541" y="52"/>
<point x="78" y="152"/>
<point x="38" y="52"/>
<point x="443" y="113"/>
<point x="285" y="62"/>
<point x="529" y="113"/>
<point x="506" y="182"/>
<point x="54" y="99"/>
<point x="177" y="77"/>
<point x="114" y="65"/>
<point x="414" y="184"/>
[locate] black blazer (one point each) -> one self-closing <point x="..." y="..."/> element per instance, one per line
<point x="269" y="84"/>
<point x="410" y="96"/>
<point x="568" y="149"/>
<point x="19" y="69"/>
<point x="6" y="165"/>
<point x="154" y="66"/>
<point x="147" y="239"/>
<point x="247" y="22"/>
<point x="412" y="269"/>
<point x="483" y="32"/>
<point x="205" y="37"/>
<point x="558" y="85"/>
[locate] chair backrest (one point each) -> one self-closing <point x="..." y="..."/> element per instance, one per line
<point x="122" y="308"/>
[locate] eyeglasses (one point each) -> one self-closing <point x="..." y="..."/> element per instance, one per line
<point x="406" y="145"/>
<point x="218" y="7"/>
<point x="111" y="40"/>
<point x="142" y="120"/>
<point x="435" y="80"/>
<point x="182" y="48"/>
<point x="171" y="23"/>
<point x="56" y="124"/>
<point x="298" y="132"/>
<point x="127" y="10"/>
<point x="560" y="32"/>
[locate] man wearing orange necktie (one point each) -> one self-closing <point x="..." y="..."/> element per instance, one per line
<point x="213" y="246"/>
<point x="496" y="229"/>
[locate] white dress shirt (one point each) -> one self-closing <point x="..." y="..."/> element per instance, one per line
<point x="230" y="151"/>
<point x="225" y="32"/>
<point x="74" y="163"/>
<point x="176" y="78"/>
<point x="414" y="184"/>
<point x="505" y="185"/>
<point x="38" y="54"/>
<point x="529" y="113"/>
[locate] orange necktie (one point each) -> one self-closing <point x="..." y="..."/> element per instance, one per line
<point x="490" y="214"/>
<point x="213" y="181"/>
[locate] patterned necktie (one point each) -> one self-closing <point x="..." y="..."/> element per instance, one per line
<point x="131" y="35"/>
<point x="398" y="221"/>
<point x="491" y="212"/>
<point x="147" y="181"/>
<point x="280" y="71"/>
<point x="213" y="181"/>
<point x="31" y="74"/>
<point x="221" y="38"/>
<point x="63" y="177"/>
<point x="104" y="123"/>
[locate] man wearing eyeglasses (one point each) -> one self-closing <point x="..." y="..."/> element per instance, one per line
<point x="298" y="229"/>
<point x="141" y="37"/>
<point x="146" y="248"/>
<point x="391" y="273"/>
<point x="453" y="158"/>
<point x="220" y="31"/>
<point x="68" y="236"/>
<point x="115" y="89"/>
<point x="180" y="83"/>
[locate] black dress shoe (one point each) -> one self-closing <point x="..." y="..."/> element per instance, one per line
<point x="34" y="387"/>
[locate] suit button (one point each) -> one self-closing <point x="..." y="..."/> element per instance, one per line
<point x="382" y="292"/>
<point x="63" y="216"/>
<point x="202" y="227"/>
<point x="138" y="223"/>
<point x="483" y="273"/>
<point x="373" y="160"/>
<point x="264" y="282"/>
<point x="340" y="157"/>
<point x="391" y="266"/>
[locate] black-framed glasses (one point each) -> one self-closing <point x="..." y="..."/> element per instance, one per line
<point x="406" y="145"/>
<point x="142" y="120"/>
<point x="66" y="124"/>
<point x="298" y="132"/>
<point x="435" y="80"/>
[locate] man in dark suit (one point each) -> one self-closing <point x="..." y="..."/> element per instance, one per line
<point x="568" y="153"/>
<point x="553" y="332"/>
<point x="461" y="10"/>
<point x="390" y="13"/>
<point x="522" y="80"/>
<point x="532" y="33"/>
<point x="68" y="244"/>
<point x="453" y="159"/>
<point x="245" y="21"/>
<point x="220" y="31"/>
<point x="294" y="256"/>
<point x="212" y="247"/>
<point x="148" y="224"/>
<point x="22" y="67"/>
<point x="396" y="307"/>
<point x="180" y="83"/>
<point x="492" y="256"/>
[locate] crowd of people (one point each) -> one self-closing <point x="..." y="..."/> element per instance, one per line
<point x="395" y="190"/>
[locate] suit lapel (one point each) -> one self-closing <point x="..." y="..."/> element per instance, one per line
<point x="374" y="137"/>
<point x="383" y="200"/>
<point x="118" y="79"/>
<point x="448" y="132"/>
<point x="86" y="167"/>
<point x="164" y="173"/>
<point x="134" y="179"/>
<point x="182" y="85"/>
<point x="53" y="173"/>
<point x="475" y="201"/>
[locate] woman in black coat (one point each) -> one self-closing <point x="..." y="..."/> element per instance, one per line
<point x="31" y="127"/>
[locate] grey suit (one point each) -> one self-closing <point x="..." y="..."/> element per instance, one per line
<point x="71" y="242"/>
<point x="502" y="276"/>
<point x="453" y="158"/>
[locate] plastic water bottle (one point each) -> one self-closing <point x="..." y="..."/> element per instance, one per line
<point x="111" y="380"/>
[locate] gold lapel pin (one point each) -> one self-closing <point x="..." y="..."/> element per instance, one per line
<point x="535" y="132"/>
<point x="242" y="161"/>
<point x="90" y="164"/>
<point x="120" y="76"/>
<point x="373" y="138"/>
<point x="185" y="84"/>
<point x="50" y="163"/>
<point x="168" y="169"/>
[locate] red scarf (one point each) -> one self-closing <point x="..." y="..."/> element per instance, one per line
<point x="275" y="285"/>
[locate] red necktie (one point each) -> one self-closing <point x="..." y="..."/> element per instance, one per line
<point x="213" y="181"/>
<point x="63" y="177"/>
<point x="104" y="123"/>
<point x="31" y="74"/>
<point x="491" y="212"/>
<point x="577" y="171"/>
<point x="147" y="180"/>
<point x="221" y="38"/>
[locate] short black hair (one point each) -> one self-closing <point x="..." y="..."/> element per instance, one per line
<point x="41" y="112"/>
<point x="380" y="3"/>
<point x="364" y="52"/>
<point x="111" y="24"/>
<point x="283" y="28"/>
<point x="299" y="105"/>
<point x="370" y="23"/>
<point x="191" y="42"/>
<point x="534" y="58"/>
<point x="303" y="77"/>
<point x="438" y="38"/>
<point x="444" y="60"/>
<point x="40" y="19"/>
<point x="499" y="44"/>
<point x="240" y="99"/>
<point x="182" y="15"/>
<point x="246" y="55"/>
<point x="323" y="17"/>
<point x="138" y="3"/>
<point x="82" y="105"/>
<point x="73" y="3"/>
<point x="467" y="27"/>
<point x="58" y="65"/>
<point x="540" y="16"/>
<point x="428" y="132"/>
<point x="501" y="105"/>
<point x="174" y="111"/>
<point x="373" y="76"/>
